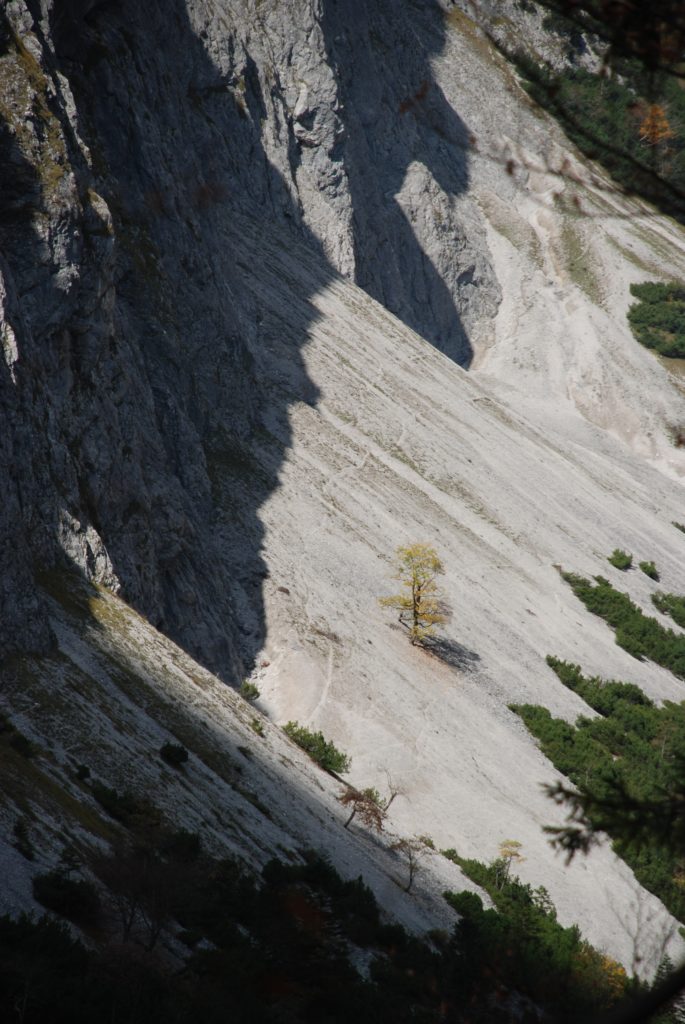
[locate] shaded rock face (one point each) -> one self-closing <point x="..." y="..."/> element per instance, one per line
<point x="134" y="139"/>
<point x="418" y="244"/>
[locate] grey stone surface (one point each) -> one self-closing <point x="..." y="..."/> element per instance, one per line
<point x="131" y="137"/>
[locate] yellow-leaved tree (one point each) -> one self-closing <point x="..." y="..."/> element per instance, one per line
<point x="420" y="601"/>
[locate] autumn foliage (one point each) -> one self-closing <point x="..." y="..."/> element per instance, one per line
<point x="655" y="127"/>
<point x="420" y="601"/>
<point x="368" y="804"/>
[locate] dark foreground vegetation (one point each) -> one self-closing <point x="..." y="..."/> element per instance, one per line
<point x="174" y="935"/>
<point x="286" y="949"/>
<point x="521" y="934"/>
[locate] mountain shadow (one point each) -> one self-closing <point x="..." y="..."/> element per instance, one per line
<point x="141" y="386"/>
<point x="396" y="115"/>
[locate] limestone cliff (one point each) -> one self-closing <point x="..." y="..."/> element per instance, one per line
<point x="131" y="138"/>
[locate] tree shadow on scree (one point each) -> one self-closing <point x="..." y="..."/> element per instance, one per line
<point x="454" y="654"/>
<point x="445" y="649"/>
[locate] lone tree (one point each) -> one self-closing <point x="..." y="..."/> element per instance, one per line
<point x="509" y="853"/>
<point x="368" y="804"/>
<point x="419" y="603"/>
<point x="371" y="807"/>
<point x="412" y="849"/>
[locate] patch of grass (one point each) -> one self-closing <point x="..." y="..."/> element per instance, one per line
<point x="639" y="634"/>
<point x="649" y="569"/>
<point x="321" y="750"/>
<point x="631" y="752"/>
<point x="249" y="691"/>
<point x="398" y="453"/>
<point x="620" y="559"/>
<point x="514" y="228"/>
<point x="38" y="135"/>
<point x="671" y="604"/>
<point x="645" y="265"/>
<point x="459" y="21"/>
<point x="578" y="263"/>
<point x="426" y="841"/>
<point x="658" y="319"/>
<point x="133" y="684"/>
<point x="30" y="787"/>
<point x="257" y="727"/>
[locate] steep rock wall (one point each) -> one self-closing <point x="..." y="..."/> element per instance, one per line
<point x="131" y="137"/>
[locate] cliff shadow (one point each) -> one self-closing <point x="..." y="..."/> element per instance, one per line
<point x="395" y="116"/>
<point x="155" y="370"/>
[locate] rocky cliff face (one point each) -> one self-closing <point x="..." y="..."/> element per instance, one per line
<point x="203" y="412"/>
<point x="131" y="139"/>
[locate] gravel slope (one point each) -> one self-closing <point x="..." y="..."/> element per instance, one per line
<point x="402" y="445"/>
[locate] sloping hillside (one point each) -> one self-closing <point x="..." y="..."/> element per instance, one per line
<point x="207" y="417"/>
<point x="99" y="710"/>
<point x="401" y="445"/>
